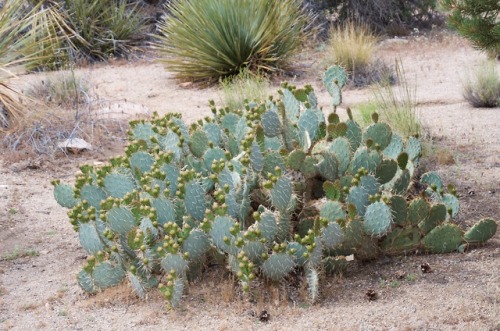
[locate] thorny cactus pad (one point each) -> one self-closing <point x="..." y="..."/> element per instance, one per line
<point x="274" y="187"/>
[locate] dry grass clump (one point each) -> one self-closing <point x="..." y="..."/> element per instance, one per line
<point x="481" y="87"/>
<point x="353" y="46"/>
<point x="245" y="87"/>
<point x="398" y="105"/>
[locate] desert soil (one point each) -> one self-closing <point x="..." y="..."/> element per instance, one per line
<point x="40" y="254"/>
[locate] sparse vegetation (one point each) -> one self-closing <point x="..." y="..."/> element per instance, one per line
<point x="18" y="253"/>
<point x="481" y="86"/>
<point x="210" y="39"/>
<point x="246" y="86"/>
<point x="398" y="105"/>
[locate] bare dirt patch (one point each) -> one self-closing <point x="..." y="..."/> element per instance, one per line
<point x="40" y="253"/>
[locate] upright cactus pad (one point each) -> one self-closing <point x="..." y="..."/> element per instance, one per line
<point x="273" y="188"/>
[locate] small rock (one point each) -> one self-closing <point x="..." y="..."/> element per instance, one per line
<point x="264" y="316"/>
<point x="425" y="268"/>
<point x="371" y="295"/>
<point x="75" y="145"/>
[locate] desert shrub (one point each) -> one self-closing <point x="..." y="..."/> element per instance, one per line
<point x="210" y="39"/>
<point x="476" y="20"/>
<point x="64" y="89"/>
<point x="273" y="190"/>
<point x="114" y="30"/>
<point x="481" y="87"/>
<point x="398" y="105"/>
<point x="352" y="46"/>
<point x="237" y="91"/>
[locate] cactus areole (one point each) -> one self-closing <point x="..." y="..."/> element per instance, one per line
<point x="274" y="187"/>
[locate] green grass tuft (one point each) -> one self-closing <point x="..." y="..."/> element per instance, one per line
<point x="481" y="87"/>
<point x="245" y="87"/>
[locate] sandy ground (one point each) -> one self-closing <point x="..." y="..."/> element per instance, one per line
<point x="40" y="253"/>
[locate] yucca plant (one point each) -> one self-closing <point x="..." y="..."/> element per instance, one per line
<point x="209" y="39"/>
<point x="115" y="27"/>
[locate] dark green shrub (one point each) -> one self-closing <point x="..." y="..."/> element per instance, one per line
<point x="209" y="39"/>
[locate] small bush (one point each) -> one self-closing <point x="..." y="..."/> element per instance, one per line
<point x="481" y="87"/>
<point x="237" y="90"/>
<point x="352" y="46"/>
<point x="205" y="40"/>
<point x="66" y="90"/>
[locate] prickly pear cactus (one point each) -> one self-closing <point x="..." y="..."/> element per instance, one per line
<point x="274" y="187"/>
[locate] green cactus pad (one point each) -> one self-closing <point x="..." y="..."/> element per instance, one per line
<point x="268" y="226"/>
<point x="296" y="159"/>
<point x="277" y="266"/>
<point x="332" y="235"/>
<point x="377" y="219"/>
<point x="341" y="148"/>
<point x="196" y="244"/>
<point x="195" y="200"/>
<point x="171" y="142"/>
<point x="401" y="240"/>
<point x="148" y="228"/>
<point x="220" y="229"/>
<point x="399" y="209"/>
<point x="174" y="262"/>
<point x="432" y="179"/>
<point x="437" y="215"/>
<point x="402" y="182"/>
<point x="64" y="196"/>
<point x="334" y="79"/>
<point x="297" y="251"/>
<point x="93" y="195"/>
<point x="89" y="238"/>
<point x="292" y="105"/>
<point x="365" y="158"/>
<point x="394" y="148"/>
<point x="143" y="131"/>
<point x="418" y="211"/>
<point x="333" y="191"/>
<point x="353" y="134"/>
<point x="172" y="173"/>
<point x="451" y="202"/>
<point x="332" y="211"/>
<point x="308" y="122"/>
<point x="230" y="122"/>
<point x="137" y="285"/>
<point x="121" y="220"/>
<point x="213" y="133"/>
<point x="86" y="282"/>
<point x="271" y="161"/>
<point x="165" y="210"/>
<point x="107" y="275"/>
<point x="177" y="293"/>
<point x="359" y="197"/>
<point x="445" y="238"/>
<point x="254" y="251"/>
<point x="271" y="123"/>
<point x="379" y="133"/>
<point x="256" y="157"/>
<point x="312" y="277"/>
<point x="386" y="171"/>
<point x="309" y="168"/>
<point x="117" y="185"/>
<point x="198" y="143"/>
<point x="281" y="194"/>
<point x="141" y="161"/>
<point x="481" y="231"/>
<point x="414" y="149"/>
<point x="211" y="155"/>
<point x="328" y="167"/>
<point x="370" y="184"/>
